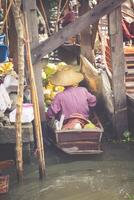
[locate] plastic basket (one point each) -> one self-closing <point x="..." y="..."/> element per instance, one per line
<point x="2" y="38"/>
<point x="4" y="184"/>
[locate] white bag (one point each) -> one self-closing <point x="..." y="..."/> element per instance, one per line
<point x="4" y="99"/>
<point x="27" y="114"/>
<point x="11" y="83"/>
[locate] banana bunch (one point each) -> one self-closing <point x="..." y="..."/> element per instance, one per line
<point x="50" y="69"/>
<point x="50" y="91"/>
<point x="5" y="68"/>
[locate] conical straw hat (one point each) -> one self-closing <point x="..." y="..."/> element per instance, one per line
<point x="66" y="77"/>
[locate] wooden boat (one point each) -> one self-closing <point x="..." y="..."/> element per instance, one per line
<point x="79" y="141"/>
<point x="99" y="83"/>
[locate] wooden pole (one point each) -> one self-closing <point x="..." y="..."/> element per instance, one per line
<point x="120" y="123"/>
<point x="19" y="29"/>
<point x="38" y="130"/>
<point x="86" y="39"/>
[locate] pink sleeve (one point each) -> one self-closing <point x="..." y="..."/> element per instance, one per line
<point x="54" y="108"/>
<point x="91" y="99"/>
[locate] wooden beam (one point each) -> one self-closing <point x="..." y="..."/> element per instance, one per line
<point x="74" y="28"/>
<point x="120" y="123"/>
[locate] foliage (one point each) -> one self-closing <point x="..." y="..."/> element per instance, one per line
<point x="128" y="137"/>
<point x="130" y="196"/>
<point x="53" y="3"/>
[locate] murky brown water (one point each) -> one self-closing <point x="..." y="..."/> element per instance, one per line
<point x="109" y="176"/>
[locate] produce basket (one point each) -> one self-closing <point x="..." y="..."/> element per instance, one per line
<point x="4" y="184"/>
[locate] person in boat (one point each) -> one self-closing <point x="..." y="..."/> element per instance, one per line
<point x="69" y="16"/>
<point x="74" y="100"/>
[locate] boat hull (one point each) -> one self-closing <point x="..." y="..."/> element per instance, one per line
<point x="80" y="141"/>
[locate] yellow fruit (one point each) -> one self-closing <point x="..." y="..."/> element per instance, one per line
<point x="52" y="95"/>
<point x="48" y="102"/>
<point x="50" y="86"/>
<point x="6" y="67"/>
<point x="61" y="64"/>
<point x="89" y="125"/>
<point x="59" y="88"/>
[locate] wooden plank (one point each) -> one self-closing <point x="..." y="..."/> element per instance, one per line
<point x="74" y="28"/>
<point x="118" y="64"/>
<point x="7" y="134"/>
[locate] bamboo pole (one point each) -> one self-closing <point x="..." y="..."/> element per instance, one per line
<point x="18" y="125"/>
<point x="37" y="121"/>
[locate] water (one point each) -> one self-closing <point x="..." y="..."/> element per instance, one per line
<point x="109" y="176"/>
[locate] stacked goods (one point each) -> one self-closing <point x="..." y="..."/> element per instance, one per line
<point x="50" y="90"/>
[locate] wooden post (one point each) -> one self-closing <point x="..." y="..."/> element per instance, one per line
<point x="86" y="39"/>
<point x="30" y="8"/>
<point x="20" y="34"/>
<point x="118" y="80"/>
<point x="38" y="130"/>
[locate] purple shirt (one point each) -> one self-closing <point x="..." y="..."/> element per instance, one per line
<point x="72" y="100"/>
